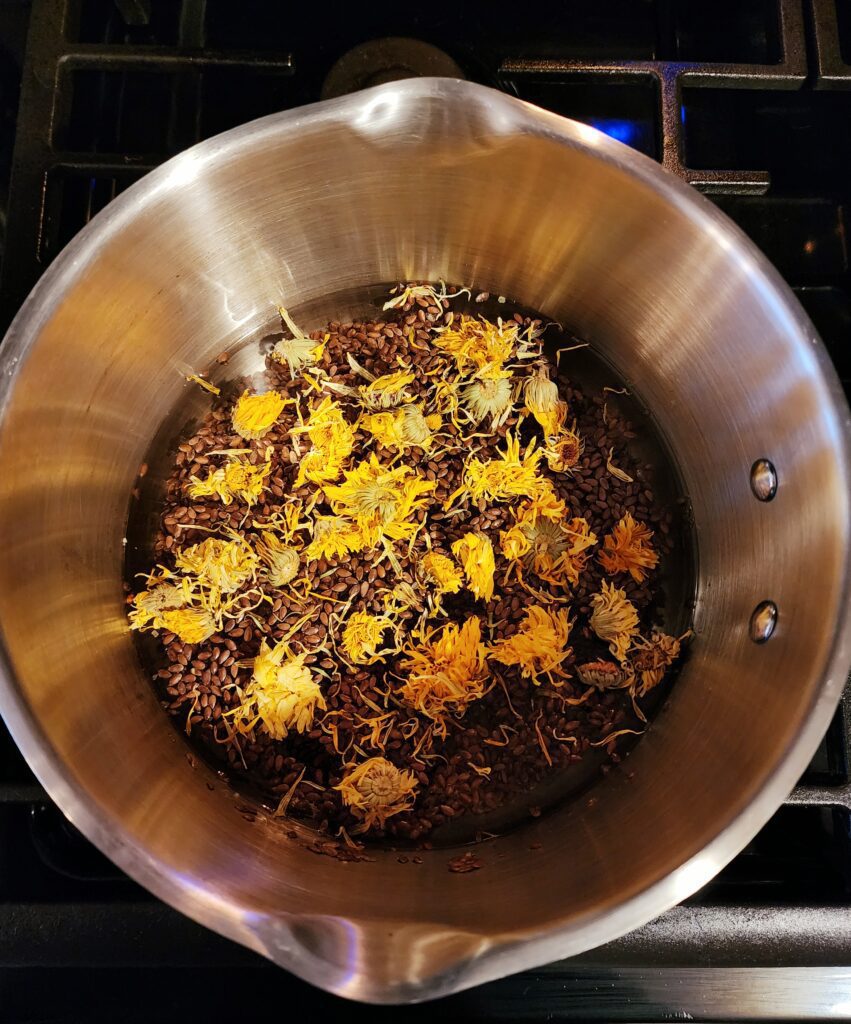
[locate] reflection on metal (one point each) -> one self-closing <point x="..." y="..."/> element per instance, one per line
<point x="565" y="992"/>
<point x="763" y="480"/>
<point x="763" y="622"/>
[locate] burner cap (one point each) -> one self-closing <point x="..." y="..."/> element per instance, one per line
<point x="387" y="60"/>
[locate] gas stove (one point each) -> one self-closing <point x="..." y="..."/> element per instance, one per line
<point x="749" y="101"/>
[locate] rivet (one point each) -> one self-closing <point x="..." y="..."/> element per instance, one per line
<point x="763" y="479"/>
<point x="763" y="621"/>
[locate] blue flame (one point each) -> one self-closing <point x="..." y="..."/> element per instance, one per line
<point x="628" y="132"/>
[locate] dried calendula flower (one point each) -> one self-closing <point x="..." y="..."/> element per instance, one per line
<point x="255" y="415"/>
<point x="332" y="440"/>
<point x="514" y="543"/>
<point x="362" y="636"/>
<point x="282" y="694"/>
<point x="564" y="451"/>
<point x="614" y="619"/>
<point x="412" y="292"/>
<point x="604" y="675"/>
<point x="237" y="478"/>
<point x="280" y="559"/>
<point x="403" y="428"/>
<point x="172" y="606"/>
<point x="512" y="475"/>
<point x="297" y="351"/>
<point x="442" y="572"/>
<point x="488" y="397"/>
<point x="567" y="567"/>
<point x="446" y="672"/>
<point x="539" y="647"/>
<point x="650" y="659"/>
<point x="380" y="500"/>
<point x="333" y="536"/>
<point x="160" y="596"/>
<point x="478" y="345"/>
<point x="224" y="565"/>
<point x="191" y="625"/>
<point x="545" y="542"/>
<point x="376" y="790"/>
<point x="627" y="549"/>
<point x="475" y="553"/>
<point x="542" y="400"/>
<point x="388" y="391"/>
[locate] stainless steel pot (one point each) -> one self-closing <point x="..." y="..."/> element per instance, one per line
<point x="424" y="179"/>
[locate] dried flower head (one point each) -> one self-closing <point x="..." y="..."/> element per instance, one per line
<point x="175" y="604"/>
<point x="544" y="542"/>
<point x="539" y="647"/>
<point x="333" y="537"/>
<point x="380" y="500"/>
<point x="651" y="658"/>
<point x="191" y="625"/>
<point x="564" y="451"/>
<point x="478" y="346"/>
<point x="376" y="790"/>
<point x="446" y="672"/>
<point x="410" y="293"/>
<point x="237" y="478"/>
<point x="614" y="619"/>
<point x="475" y="553"/>
<point x="362" y="636"/>
<point x="282" y="694"/>
<point x="280" y="559"/>
<point x="331" y="439"/>
<point x="297" y="351"/>
<point x="604" y="675"/>
<point x="159" y="597"/>
<point x="255" y="415"/>
<point x="488" y="397"/>
<point x="404" y="428"/>
<point x="513" y="543"/>
<point x="400" y="297"/>
<point x="627" y="549"/>
<point x="172" y="606"/>
<point x="388" y="391"/>
<point x="223" y="565"/>
<point x="441" y="572"/>
<point x="509" y="476"/>
<point x="542" y="400"/>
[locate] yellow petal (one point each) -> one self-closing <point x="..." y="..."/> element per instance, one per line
<point x="475" y="553"/>
<point x="255" y="415"/>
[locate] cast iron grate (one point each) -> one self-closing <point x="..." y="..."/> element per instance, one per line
<point x="746" y="99"/>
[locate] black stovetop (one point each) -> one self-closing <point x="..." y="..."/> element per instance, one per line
<point x="750" y="100"/>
